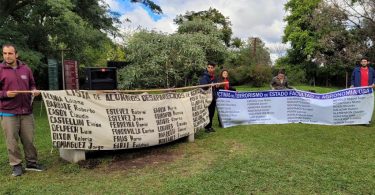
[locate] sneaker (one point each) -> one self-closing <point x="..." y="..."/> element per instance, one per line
<point x="17" y="170"/>
<point x="207" y="130"/>
<point x="212" y="129"/>
<point x="34" y="167"/>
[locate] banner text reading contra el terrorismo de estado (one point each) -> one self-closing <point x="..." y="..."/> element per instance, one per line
<point x="344" y="107"/>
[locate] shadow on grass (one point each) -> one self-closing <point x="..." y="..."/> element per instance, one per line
<point x="134" y="158"/>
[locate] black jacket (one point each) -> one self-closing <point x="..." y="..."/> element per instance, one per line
<point x="206" y="79"/>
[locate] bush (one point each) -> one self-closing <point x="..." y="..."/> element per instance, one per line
<point x="296" y="75"/>
<point x="260" y="75"/>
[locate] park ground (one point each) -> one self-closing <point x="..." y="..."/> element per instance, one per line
<point x="253" y="159"/>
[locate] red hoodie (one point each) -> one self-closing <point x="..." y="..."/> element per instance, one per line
<point x="20" y="78"/>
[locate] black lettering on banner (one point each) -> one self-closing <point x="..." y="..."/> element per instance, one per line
<point x="199" y="108"/>
<point x="79" y="94"/>
<point x="165" y="125"/>
<point x="121" y="97"/>
<point x="125" y="124"/>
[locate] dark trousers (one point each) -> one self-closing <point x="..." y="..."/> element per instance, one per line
<point x="218" y="118"/>
<point x="211" y="113"/>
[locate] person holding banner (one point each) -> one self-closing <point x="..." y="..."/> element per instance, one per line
<point x="16" y="80"/>
<point x="208" y="77"/>
<point x="364" y="75"/>
<point x="280" y="82"/>
<point x="224" y="77"/>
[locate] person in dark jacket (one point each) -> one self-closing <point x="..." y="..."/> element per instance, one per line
<point x="364" y="75"/>
<point x="208" y="77"/>
<point x="224" y="77"/>
<point x="16" y="110"/>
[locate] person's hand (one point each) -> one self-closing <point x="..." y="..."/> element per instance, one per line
<point x="11" y="94"/>
<point x="35" y="93"/>
<point x="351" y="86"/>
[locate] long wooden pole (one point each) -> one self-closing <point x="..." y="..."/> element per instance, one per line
<point x="147" y="90"/>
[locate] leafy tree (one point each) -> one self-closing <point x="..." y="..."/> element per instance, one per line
<point x="159" y="60"/>
<point x="236" y="43"/>
<point x="299" y="31"/>
<point x="339" y="44"/>
<point x="221" y="22"/>
<point x="328" y="36"/>
<point x="150" y="4"/>
<point x="248" y="62"/>
<point x="209" y="38"/>
<point x="40" y="27"/>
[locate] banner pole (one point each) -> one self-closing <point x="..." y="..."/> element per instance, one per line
<point x="146" y="90"/>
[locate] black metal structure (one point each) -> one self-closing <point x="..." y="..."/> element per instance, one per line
<point x="100" y="78"/>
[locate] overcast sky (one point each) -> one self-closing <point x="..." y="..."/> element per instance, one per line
<point x="249" y="18"/>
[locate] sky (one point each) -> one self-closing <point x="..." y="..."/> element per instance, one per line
<point x="249" y="18"/>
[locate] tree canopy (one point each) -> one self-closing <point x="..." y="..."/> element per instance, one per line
<point x="42" y="28"/>
<point x="327" y="37"/>
<point x="222" y="23"/>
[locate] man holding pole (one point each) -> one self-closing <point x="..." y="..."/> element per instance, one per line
<point x="17" y="88"/>
<point x="208" y="77"/>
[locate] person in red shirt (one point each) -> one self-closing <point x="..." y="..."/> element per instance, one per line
<point x="224" y="77"/>
<point x="364" y="75"/>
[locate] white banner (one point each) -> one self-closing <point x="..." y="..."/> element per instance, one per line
<point x="344" y="107"/>
<point x="108" y="121"/>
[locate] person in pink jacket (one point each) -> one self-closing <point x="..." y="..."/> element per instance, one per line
<point x="16" y="110"/>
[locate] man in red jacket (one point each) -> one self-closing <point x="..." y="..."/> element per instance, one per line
<point x="16" y="110"/>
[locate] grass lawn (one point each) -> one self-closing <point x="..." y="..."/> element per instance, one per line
<point x="259" y="159"/>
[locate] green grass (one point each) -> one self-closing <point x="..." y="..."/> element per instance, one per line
<point x="259" y="159"/>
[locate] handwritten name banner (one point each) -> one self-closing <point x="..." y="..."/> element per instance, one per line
<point x="109" y="121"/>
<point x="344" y="107"/>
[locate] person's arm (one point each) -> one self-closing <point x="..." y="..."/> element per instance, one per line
<point x="6" y="94"/>
<point x="287" y="85"/>
<point x="273" y="82"/>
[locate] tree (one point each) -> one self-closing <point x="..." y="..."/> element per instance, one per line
<point x="159" y="60"/>
<point x="301" y="35"/>
<point x="221" y="22"/>
<point x="339" y="44"/>
<point x="209" y="36"/>
<point x="251" y="63"/>
<point x="40" y="27"/>
<point x="328" y="36"/>
<point x="148" y="3"/>
<point x="299" y="31"/>
<point x="360" y="20"/>
<point x="236" y="43"/>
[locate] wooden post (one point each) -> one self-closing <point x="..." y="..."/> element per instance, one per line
<point x="191" y="138"/>
<point x="72" y="156"/>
